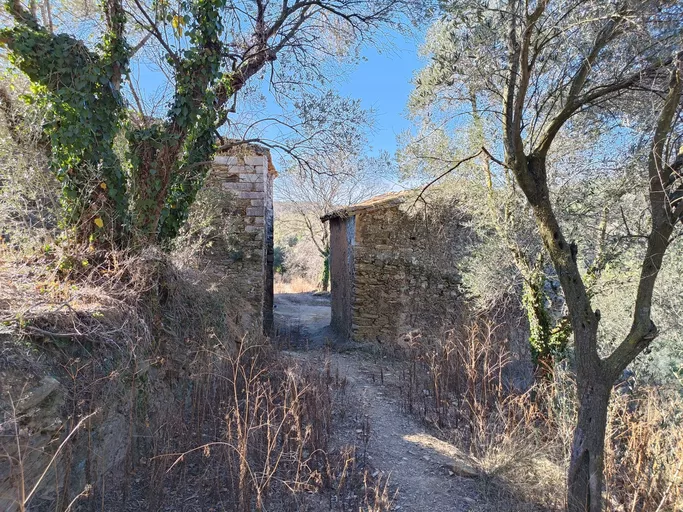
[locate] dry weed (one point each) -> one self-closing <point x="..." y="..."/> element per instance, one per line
<point x="295" y="285"/>
<point x="26" y="490"/>
<point x="456" y="382"/>
<point x="644" y="451"/>
<point x="520" y="443"/>
<point x="272" y="419"/>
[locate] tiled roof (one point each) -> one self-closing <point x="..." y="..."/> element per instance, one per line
<point x="375" y="203"/>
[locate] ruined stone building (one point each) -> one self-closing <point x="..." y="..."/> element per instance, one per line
<point x="392" y="267"/>
<point x="245" y="251"/>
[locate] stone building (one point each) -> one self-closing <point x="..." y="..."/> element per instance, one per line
<point x="244" y="254"/>
<point x="392" y="267"/>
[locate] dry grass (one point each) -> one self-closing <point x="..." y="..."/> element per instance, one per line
<point x="644" y="459"/>
<point x="16" y="459"/>
<point x="57" y="294"/>
<point x="456" y="383"/>
<point x="259" y="425"/>
<point x="250" y="427"/>
<point x="520" y="443"/>
<point x="294" y="285"/>
<point x="274" y="420"/>
<point x="270" y="419"/>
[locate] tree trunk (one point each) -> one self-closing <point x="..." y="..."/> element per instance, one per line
<point x="594" y="377"/>
<point x="585" y="480"/>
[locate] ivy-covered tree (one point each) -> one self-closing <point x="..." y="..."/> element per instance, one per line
<point x="80" y="90"/>
<point x="212" y="48"/>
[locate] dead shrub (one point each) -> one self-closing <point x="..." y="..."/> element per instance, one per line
<point x="270" y="420"/>
<point x="159" y="342"/>
<point x="520" y="443"/>
<point x="352" y="487"/>
<point x="275" y="426"/>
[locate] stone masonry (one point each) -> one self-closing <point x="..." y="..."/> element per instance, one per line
<point x="393" y="264"/>
<point x="248" y="173"/>
<point x="392" y="268"/>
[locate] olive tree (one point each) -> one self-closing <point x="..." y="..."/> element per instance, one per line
<point x="544" y="68"/>
<point x="508" y="261"/>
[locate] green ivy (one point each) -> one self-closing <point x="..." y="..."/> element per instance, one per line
<point x="547" y="341"/>
<point x="195" y="93"/>
<point x="199" y="147"/>
<point x="165" y="166"/>
<point x="325" y="278"/>
<point x="190" y="129"/>
<point x="73" y="85"/>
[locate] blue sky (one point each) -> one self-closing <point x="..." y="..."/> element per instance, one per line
<point x="383" y="82"/>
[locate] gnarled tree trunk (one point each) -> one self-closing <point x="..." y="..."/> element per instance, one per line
<point x="585" y="478"/>
<point x="594" y="381"/>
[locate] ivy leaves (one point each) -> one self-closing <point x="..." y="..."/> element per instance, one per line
<point x="79" y="90"/>
<point x="73" y="85"/>
<point x="193" y="111"/>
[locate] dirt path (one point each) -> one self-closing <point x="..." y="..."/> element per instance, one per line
<point x="418" y="465"/>
<point x="302" y="320"/>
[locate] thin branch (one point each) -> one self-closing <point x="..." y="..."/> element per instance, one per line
<point x="154" y="30"/>
<point x="458" y="164"/>
<point x="56" y="454"/>
<point x="494" y="159"/>
<point x="643" y="330"/>
<point x="142" y="43"/>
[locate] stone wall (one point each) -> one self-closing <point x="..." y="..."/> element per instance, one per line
<point x="246" y="259"/>
<point x="394" y="264"/>
<point x="404" y="271"/>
